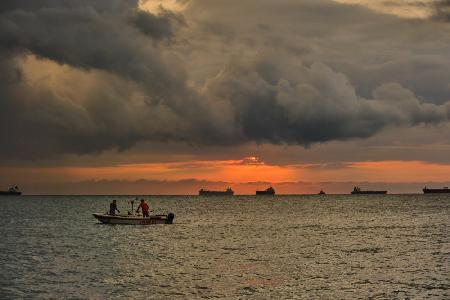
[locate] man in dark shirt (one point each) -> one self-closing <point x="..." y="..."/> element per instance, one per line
<point x="113" y="208"/>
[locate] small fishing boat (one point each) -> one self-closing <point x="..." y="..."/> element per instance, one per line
<point x="135" y="219"/>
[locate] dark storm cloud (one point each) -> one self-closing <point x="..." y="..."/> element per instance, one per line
<point x="91" y="34"/>
<point x="98" y="5"/>
<point x="223" y="73"/>
<point x="157" y="26"/>
<point x="314" y="104"/>
<point x="442" y="10"/>
<point x="36" y="122"/>
<point x="363" y="72"/>
<point x="110" y="36"/>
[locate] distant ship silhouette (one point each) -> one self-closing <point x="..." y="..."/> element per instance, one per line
<point x="444" y="190"/>
<point x="227" y="192"/>
<point x="269" y="191"/>
<point x="357" y="191"/>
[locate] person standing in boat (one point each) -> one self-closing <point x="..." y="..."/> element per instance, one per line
<point x="113" y="208"/>
<point x="144" y="207"/>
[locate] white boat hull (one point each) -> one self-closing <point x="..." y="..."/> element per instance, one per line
<point x="135" y="220"/>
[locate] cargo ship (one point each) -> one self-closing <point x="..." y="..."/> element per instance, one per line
<point x="227" y="192"/>
<point x="13" y="191"/>
<point x="269" y="191"/>
<point x="358" y="191"/>
<point x="444" y="190"/>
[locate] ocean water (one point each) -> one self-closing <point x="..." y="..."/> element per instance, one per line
<point x="242" y="247"/>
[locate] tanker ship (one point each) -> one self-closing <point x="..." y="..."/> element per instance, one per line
<point x="358" y="191"/>
<point x="227" y="192"/>
<point x="444" y="190"/>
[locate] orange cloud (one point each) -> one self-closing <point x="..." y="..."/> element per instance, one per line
<point x="400" y="8"/>
<point x="401" y="171"/>
<point x="237" y="172"/>
<point x="377" y="171"/>
<point x="219" y="170"/>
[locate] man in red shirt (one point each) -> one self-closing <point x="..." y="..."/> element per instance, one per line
<point x="144" y="207"/>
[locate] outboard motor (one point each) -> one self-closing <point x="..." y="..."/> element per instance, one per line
<point x="170" y="218"/>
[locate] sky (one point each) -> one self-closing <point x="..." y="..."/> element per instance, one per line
<point x="167" y="97"/>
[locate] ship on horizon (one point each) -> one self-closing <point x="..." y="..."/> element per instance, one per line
<point x="269" y="191"/>
<point x="227" y="192"/>
<point x="357" y="191"/>
<point x="13" y="191"/>
<point x="444" y="190"/>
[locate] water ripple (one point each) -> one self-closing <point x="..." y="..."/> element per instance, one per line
<point x="290" y="247"/>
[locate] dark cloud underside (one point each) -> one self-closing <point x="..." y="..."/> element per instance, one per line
<point x="294" y="72"/>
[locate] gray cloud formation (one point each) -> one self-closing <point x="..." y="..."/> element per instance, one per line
<point x="142" y="93"/>
<point x="313" y="104"/>
<point x="92" y="35"/>
<point x="160" y="26"/>
<point x="442" y="10"/>
<point x="222" y="74"/>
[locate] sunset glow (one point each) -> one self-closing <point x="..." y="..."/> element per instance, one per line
<point x="240" y="174"/>
<point x="226" y="149"/>
<point x="300" y="94"/>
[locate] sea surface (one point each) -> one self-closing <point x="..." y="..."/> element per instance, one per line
<point x="241" y="247"/>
